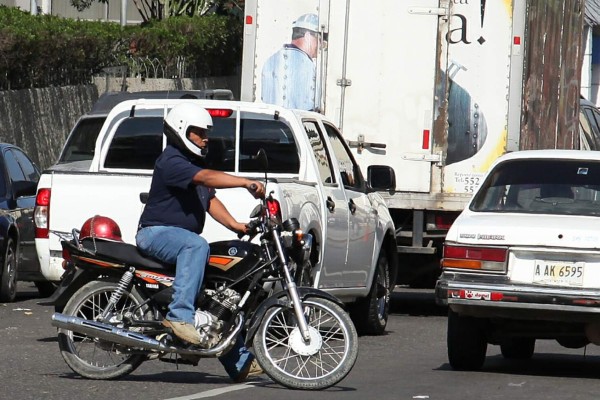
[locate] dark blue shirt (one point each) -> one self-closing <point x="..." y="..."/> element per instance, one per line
<point x="174" y="200"/>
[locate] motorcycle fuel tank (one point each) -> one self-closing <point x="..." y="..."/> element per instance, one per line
<point x="229" y="260"/>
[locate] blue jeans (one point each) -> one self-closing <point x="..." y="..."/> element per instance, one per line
<point x="189" y="252"/>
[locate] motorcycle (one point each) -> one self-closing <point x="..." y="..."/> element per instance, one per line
<point x="111" y="302"/>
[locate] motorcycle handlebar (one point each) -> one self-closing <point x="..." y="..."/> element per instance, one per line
<point x="252" y="225"/>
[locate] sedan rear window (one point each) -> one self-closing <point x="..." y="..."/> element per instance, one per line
<point x="536" y="186"/>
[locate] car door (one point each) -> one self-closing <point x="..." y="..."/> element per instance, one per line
<point x="20" y="168"/>
<point x="335" y="209"/>
<point x="361" y="217"/>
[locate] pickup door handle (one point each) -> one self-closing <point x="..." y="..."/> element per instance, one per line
<point x="330" y="204"/>
<point x="352" y="206"/>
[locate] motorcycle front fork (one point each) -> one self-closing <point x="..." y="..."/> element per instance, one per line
<point x="291" y="288"/>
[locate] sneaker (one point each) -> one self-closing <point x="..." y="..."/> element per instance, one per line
<point x="183" y="331"/>
<point x="252" y="369"/>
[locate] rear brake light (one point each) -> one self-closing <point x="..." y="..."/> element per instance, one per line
<point x="274" y="208"/>
<point x="41" y="214"/>
<point x="472" y="257"/>
<point x="219" y="112"/>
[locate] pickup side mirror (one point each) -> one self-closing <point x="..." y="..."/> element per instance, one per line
<point x="381" y="177"/>
<point x="24" y="188"/>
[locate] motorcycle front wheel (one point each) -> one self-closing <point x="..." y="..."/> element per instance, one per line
<point x="321" y="362"/>
<point x="88" y="356"/>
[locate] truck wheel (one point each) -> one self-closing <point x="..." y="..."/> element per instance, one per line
<point x="570" y="342"/>
<point x="370" y="314"/>
<point x="8" y="279"/>
<point x="466" y="342"/>
<point x="518" y="348"/>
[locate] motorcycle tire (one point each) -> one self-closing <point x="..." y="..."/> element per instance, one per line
<point x="323" y="362"/>
<point x="87" y="356"/>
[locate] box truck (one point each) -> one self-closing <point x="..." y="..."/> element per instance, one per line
<point x="438" y="89"/>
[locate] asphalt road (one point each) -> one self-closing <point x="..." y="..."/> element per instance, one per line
<point x="409" y="362"/>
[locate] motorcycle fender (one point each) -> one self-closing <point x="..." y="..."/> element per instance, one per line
<point x="70" y="282"/>
<point x="276" y="300"/>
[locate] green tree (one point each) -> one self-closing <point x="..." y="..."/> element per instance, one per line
<point x="159" y="9"/>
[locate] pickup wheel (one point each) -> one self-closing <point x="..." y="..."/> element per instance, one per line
<point x="521" y="348"/>
<point x="8" y="279"/>
<point x="45" y="288"/>
<point x="466" y="341"/>
<point x="303" y="274"/>
<point x="370" y="314"/>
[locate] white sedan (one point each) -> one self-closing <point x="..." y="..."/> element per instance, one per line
<point x="522" y="261"/>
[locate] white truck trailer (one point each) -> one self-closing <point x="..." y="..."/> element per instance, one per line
<point x="438" y="89"/>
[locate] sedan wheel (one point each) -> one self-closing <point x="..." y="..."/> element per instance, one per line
<point x="467" y="343"/>
<point x="8" y="281"/>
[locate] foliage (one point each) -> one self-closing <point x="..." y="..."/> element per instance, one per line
<point x="158" y="9"/>
<point x="44" y="50"/>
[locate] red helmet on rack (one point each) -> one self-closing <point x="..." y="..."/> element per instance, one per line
<point x="99" y="227"/>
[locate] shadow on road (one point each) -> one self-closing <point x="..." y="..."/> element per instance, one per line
<point x="541" y="364"/>
<point x="415" y="302"/>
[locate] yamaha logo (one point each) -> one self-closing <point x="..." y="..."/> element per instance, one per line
<point x="232" y="251"/>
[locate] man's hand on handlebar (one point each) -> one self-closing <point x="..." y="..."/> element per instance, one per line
<point x="250" y="228"/>
<point x="256" y="189"/>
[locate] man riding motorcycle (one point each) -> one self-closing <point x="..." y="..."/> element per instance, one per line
<point x="181" y="193"/>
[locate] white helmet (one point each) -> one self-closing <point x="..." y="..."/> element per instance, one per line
<point x="178" y="122"/>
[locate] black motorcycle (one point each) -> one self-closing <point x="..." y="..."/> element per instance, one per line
<point x="113" y="300"/>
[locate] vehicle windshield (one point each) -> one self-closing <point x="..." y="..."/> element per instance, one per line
<point x="535" y="186"/>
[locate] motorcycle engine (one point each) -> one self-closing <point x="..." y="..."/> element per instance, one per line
<point x="218" y="307"/>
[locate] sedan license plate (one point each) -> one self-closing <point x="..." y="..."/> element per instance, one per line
<point x="558" y="273"/>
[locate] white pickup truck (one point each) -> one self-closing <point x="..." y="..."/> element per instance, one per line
<point x="106" y="168"/>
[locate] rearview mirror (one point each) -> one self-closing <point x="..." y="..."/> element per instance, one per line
<point x="381" y="177"/>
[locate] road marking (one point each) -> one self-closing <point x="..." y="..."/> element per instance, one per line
<point x="215" y="392"/>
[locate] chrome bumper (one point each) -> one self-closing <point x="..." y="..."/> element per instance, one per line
<point x="496" y="297"/>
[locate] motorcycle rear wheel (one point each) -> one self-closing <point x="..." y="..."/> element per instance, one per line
<point x="322" y="362"/>
<point x="86" y="355"/>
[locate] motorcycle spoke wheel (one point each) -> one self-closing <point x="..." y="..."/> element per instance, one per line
<point x="92" y="357"/>
<point x="322" y="361"/>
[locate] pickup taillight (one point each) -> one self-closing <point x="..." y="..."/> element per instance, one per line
<point x="41" y="214"/>
<point x="475" y="257"/>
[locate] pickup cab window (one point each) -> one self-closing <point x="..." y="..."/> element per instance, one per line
<point x="320" y="152"/>
<point x="137" y="143"/>
<point x="256" y="132"/>
<point x="349" y="169"/>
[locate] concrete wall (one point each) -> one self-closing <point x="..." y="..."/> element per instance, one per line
<point x="39" y="120"/>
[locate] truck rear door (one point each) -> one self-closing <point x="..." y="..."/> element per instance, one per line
<point x="380" y="81"/>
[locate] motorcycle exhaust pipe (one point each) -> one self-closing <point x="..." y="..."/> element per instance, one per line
<point x="128" y="338"/>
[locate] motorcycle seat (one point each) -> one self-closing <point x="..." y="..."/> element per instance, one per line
<point x="123" y="252"/>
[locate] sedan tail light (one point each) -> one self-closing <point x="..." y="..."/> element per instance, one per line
<point x="473" y="257"/>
